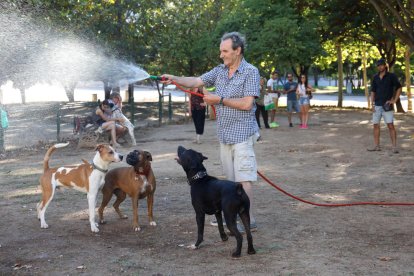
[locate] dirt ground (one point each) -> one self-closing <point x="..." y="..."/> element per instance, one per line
<point x="327" y="163"/>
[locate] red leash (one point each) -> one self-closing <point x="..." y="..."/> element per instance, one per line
<point x="156" y="78"/>
<point x="332" y="204"/>
<point x="193" y="93"/>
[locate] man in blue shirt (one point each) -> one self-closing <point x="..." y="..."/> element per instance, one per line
<point x="292" y="101"/>
<point x="385" y="91"/>
<point x="237" y="85"/>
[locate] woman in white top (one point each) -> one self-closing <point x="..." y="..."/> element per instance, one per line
<point x="304" y="91"/>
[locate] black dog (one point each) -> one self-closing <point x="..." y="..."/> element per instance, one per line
<point x="210" y="195"/>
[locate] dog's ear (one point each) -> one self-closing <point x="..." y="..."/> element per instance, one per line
<point x="99" y="147"/>
<point x="148" y="156"/>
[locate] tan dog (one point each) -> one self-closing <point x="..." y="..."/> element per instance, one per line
<point x="85" y="177"/>
<point x="137" y="181"/>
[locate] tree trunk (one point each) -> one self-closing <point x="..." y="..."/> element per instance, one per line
<point x="398" y="104"/>
<point x="107" y="89"/>
<point x="315" y="75"/>
<point x="408" y="77"/>
<point x="340" y="74"/>
<point x="364" y="65"/>
<point x="70" y="91"/>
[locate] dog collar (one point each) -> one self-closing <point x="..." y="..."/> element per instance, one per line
<point x="99" y="169"/>
<point x="198" y="175"/>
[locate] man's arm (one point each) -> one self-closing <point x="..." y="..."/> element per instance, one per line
<point x="245" y="103"/>
<point x="396" y="96"/>
<point x="373" y="100"/>
<point x="184" y="81"/>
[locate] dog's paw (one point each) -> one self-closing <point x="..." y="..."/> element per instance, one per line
<point x="94" y="228"/>
<point x="137" y="229"/>
<point x="153" y="223"/>
<point x="235" y="255"/>
<point x="193" y="247"/>
<point x="251" y="251"/>
<point x="44" y="226"/>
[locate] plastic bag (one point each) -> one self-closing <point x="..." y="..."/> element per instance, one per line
<point x="4" y="119"/>
<point x="268" y="102"/>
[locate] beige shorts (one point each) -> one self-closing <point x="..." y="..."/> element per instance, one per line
<point x="239" y="161"/>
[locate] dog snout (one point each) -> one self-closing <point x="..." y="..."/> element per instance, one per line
<point x="180" y="150"/>
<point x="132" y="158"/>
<point x="121" y="157"/>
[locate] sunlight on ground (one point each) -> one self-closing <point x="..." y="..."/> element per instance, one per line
<point x="26" y="171"/>
<point x="8" y="161"/>
<point x="163" y="157"/>
<point x="84" y="214"/>
<point x="23" y="192"/>
<point x="331" y="197"/>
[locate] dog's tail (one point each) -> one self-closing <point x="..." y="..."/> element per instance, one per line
<point x="49" y="153"/>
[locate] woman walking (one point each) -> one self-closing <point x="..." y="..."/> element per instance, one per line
<point x="197" y="110"/>
<point x="304" y="91"/>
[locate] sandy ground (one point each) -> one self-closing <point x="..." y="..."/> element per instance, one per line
<point x="327" y="163"/>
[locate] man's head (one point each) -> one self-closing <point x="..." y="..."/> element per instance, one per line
<point x="289" y="77"/>
<point x="275" y="74"/>
<point x="381" y="65"/>
<point x="232" y="48"/>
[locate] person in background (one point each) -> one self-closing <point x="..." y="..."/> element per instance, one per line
<point x="292" y="101"/>
<point x="106" y="122"/>
<point x="385" y="91"/>
<point x="274" y="88"/>
<point x="260" y="108"/>
<point x="304" y="91"/>
<point x="197" y="110"/>
<point x="116" y="99"/>
<point x="237" y="85"/>
<point x="122" y="119"/>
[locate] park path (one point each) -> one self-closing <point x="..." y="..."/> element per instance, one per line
<point x="35" y="122"/>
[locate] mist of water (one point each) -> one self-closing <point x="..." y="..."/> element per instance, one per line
<point x="31" y="52"/>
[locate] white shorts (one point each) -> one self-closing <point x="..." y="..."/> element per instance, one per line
<point x="380" y="112"/>
<point x="239" y="161"/>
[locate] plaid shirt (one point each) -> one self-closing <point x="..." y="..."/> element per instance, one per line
<point x="234" y="126"/>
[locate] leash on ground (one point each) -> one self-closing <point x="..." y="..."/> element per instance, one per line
<point x="333" y="204"/>
<point x="182" y="89"/>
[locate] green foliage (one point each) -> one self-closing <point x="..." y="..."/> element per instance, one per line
<point x="278" y="35"/>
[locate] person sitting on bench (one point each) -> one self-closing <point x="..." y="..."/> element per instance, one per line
<point x="107" y="122"/>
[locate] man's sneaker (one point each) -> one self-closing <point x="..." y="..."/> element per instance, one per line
<point x="376" y="148"/>
<point x="274" y="124"/>
<point x="214" y="222"/>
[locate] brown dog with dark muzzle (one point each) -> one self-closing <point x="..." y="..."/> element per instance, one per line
<point x="137" y="181"/>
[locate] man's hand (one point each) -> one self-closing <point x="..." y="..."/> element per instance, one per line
<point x="211" y="99"/>
<point x="392" y="101"/>
<point x="168" y="79"/>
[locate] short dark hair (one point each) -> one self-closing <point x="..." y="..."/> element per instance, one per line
<point x="238" y="40"/>
<point x="108" y="103"/>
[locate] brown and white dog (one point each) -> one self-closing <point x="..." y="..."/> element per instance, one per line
<point x="85" y="177"/>
<point x="137" y="181"/>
